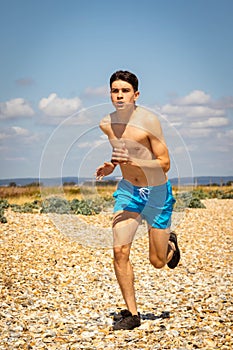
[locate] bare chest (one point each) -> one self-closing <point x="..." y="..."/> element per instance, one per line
<point x="134" y="139"/>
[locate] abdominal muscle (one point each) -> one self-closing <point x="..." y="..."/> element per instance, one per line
<point x="143" y="177"/>
<point x="138" y="146"/>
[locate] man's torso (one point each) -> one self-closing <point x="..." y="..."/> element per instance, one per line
<point x="136" y="138"/>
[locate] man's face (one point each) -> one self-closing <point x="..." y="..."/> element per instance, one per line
<point x="123" y="94"/>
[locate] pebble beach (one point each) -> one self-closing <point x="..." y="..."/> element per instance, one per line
<point x="56" y="293"/>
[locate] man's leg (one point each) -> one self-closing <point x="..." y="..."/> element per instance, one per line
<point x="161" y="250"/>
<point x="125" y="225"/>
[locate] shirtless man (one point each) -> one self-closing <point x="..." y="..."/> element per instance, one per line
<point x="144" y="192"/>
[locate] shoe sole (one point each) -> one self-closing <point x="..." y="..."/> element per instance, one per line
<point x="176" y="255"/>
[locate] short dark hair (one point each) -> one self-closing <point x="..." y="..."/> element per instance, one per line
<point x="125" y="76"/>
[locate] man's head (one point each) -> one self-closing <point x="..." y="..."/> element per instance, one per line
<point x="125" y="76"/>
<point x="124" y="89"/>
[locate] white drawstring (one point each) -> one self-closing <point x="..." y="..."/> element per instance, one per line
<point x="144" y="192"/>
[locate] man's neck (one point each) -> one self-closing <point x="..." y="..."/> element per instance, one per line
<point x="125" y="115"/>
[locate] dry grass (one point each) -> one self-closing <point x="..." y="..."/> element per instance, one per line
<point x="205" y="189"/>
<point x="213" y="188"/>
<point x="21" y="195"/>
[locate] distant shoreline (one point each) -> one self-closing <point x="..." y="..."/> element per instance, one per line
<point x="195" y="181"/>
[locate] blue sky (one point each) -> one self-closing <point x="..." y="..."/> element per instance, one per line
<point x="56" y="60"/>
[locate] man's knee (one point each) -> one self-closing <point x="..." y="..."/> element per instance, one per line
<point x="157" y="262"/>
<point x="121" y="253"/>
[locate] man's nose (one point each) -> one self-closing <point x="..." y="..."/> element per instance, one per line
<point x="119" y="95"/>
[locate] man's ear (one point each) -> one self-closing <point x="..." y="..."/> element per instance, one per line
<point x="136" y="95"/>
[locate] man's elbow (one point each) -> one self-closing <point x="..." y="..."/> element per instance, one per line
<point x="166" y="166"/>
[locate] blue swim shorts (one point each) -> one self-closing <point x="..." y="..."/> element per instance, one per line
<point x="153" y="203"/>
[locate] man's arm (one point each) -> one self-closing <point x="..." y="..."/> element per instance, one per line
<point x="160" y="151"/>
<point x="161" y="162"/>
<point x="158" y="148"/>
<point x="108" y="167"/>
<point x="104" y="170"/>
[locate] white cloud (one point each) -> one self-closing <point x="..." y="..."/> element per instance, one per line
<point x="197" y="116"/>
<point x="196" y="133"/>
<point x="229" y="134"/>
<point x="54" y="106"/>
<point x="225" y="102"/>
<point x="197" y="104"/>
<point x="211" y="122"/>
<point x="92" y="144"/>
<point x="191" y="111"/>
<point x="3" y="136"/>
<point x="84" y="145"/>
<point x="17" y="107"/>
<point x="180" y="149"/>
<point x="20" y="131"/>
<point x="204" y="125"/>
<point x="196" y="97"/>
<point x="16" y="159"/>
<point x="226" y="136"/>
<point x="174" y="123"/>
<point x="18" y="136"/>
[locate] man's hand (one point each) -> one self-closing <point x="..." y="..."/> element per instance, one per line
<point x="120" y="155"/>
<point x="104" y="170"/>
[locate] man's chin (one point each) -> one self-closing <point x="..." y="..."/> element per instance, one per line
<point x="122" y="106"/>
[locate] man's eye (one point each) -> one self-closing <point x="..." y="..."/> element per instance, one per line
<point x="114" y="91"/>
<point x="125" y="90"/>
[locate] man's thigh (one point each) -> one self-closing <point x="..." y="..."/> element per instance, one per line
<point x="158" y="242"/>
<point x="125" y="224"/>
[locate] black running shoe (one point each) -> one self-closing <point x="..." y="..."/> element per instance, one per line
<point x="129" y="322"/>
<point x="176" y="255"/>
<point x="121" y="314"/>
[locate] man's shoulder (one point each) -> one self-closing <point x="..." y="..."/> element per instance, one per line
<point x="105" y="122"/>
<point x="147" y="115"/>
<point x="106" y="119"/>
